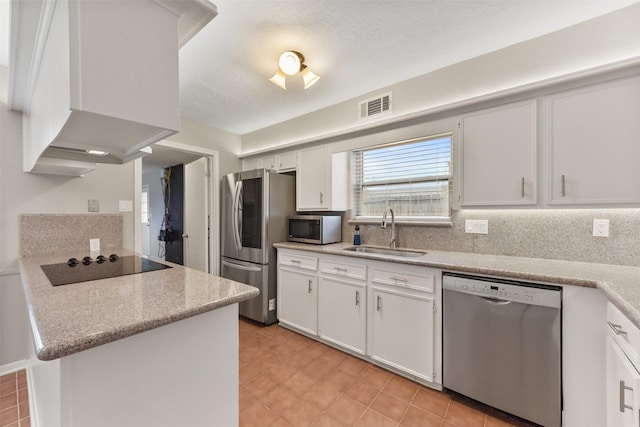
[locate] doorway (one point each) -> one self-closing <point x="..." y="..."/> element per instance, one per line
<point x="197" y="236"/>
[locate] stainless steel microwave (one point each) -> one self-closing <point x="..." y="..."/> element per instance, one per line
<point x="316" y="229"/>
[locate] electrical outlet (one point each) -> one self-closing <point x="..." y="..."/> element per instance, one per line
<point x="94" y="205"/>
<point x="601" y="227"/>
<point x="476" y="226"/>
<point x="272" y="304"/>
<point x="94" y="244"/>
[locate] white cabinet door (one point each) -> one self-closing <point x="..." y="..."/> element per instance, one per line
<point x="499" y="156"/>
<point x="593" y="144"/>
<point x="270" y="162"/>
<point x="287" y="161"/>
<point x="321" y="180"/>
<point x="298" y="300"/>
<point x="622" y="388"/>
<point x="342" y="315"/>
<point x="312" y="179"/>
<point x="402" y="331"/>
<point x="251" y="164"/>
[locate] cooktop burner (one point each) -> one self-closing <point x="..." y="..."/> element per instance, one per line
<point x="102" y="267"/>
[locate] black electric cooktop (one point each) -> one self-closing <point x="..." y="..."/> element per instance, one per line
<point x="85" y="269"/>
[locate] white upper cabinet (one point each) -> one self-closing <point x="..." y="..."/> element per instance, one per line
<point x="499" y="156"/>
<point x="105" y="76"/>
<point x="594" y="144"/>
<point x="287" y="161"/>
<point x="251" y="164"/>
<point x="321" y="180"/>
<point x="284" y="162"/>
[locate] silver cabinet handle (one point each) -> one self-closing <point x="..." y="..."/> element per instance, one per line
<point x="379" y="303"/>
<point x="623" y="388"/>
<point x="310" y="289"/>
<point x="563" y="189"/>
<point x="522" y="188"/>
<point x="357" y="297"/>
<point x="295" y="261"/>
<point x="321" y="197"/>
<point x="616" y="328"/>
<point x="400" y="279"/>
<point x="339" y="269"/>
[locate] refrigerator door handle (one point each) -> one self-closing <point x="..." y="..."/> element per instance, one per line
<point x="236" y="216"/>
<point x="243" y="266"/>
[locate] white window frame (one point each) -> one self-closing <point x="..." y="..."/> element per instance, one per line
<point x="403" y="219"/>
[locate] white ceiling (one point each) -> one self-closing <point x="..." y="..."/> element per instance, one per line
<point x="355" y="47"/>
<point x="163" y="157"/>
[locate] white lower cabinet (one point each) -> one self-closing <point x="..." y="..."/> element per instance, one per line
<point x="384" y="312"/>
<point x="623" y="381"/>
<point x="623" y="377"/>
<point x="402" y="331"/>
<point x="342" y="314"/>
<point x="298" y="300"/>
<point x="404" y="319"/>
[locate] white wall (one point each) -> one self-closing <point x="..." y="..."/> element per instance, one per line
<point x="226" y="143"/>
<point x="603" y="40"/>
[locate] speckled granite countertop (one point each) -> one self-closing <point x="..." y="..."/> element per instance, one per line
<point x="621" y="284"/>
<point x="70" y="318"/>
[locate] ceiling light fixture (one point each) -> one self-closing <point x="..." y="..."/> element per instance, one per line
<point x="290" y="64"/>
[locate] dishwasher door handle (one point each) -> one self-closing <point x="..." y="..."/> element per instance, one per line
<point x="496" y="301"/>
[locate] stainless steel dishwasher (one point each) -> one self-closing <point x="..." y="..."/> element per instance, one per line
<point x="502" y="345"/>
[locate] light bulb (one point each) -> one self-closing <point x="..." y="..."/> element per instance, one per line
<point x="289" y="63"/>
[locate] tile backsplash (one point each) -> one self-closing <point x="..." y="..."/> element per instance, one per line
<point x="563" y="234"/>
<point x="42" y="234"/>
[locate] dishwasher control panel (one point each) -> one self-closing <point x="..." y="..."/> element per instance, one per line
<point x="505" y="290"/>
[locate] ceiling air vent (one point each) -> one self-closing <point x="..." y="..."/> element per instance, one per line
<point x="375" y="106"/>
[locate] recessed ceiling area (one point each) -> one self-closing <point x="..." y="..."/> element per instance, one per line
<point x="355" y="46"/>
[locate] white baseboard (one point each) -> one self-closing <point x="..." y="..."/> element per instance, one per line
<point x="13" y="366"/>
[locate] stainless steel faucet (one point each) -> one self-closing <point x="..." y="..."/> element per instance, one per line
<point x="392" y="244"/>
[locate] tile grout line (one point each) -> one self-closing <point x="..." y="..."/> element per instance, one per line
<point x="415" y="393"/>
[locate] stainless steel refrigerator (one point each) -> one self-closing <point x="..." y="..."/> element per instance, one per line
<point x="255" y="206"/>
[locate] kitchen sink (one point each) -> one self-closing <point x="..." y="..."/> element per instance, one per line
<point x="385" y="251"/>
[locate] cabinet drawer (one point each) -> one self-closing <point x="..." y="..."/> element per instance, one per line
<point x="624" y="332"/>
<point x="401" y="278"/>
<point x="300" y="261"/>
<point x="343" y="270"/>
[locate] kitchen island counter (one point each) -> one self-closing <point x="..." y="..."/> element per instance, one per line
<point x="621" y="284"/>
<point x="155" y="348"/>
<point x="70" y="318"/>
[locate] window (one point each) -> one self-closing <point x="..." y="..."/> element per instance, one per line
<point x="144" y="204"/>
<point x="412" y="177"/>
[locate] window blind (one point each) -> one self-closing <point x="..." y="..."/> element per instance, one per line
<point x="412" y="177"/>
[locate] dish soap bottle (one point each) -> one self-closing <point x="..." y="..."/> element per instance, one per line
<point x="356" y="236"/>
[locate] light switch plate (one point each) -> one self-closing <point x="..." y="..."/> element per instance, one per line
<point x="125" y="206"/>
<point x="601" y="227"/>
<point x="476" y="226"/>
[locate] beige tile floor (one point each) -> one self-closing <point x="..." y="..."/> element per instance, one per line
<point x="14" y="400"/>
<point x="287" y="379"/>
